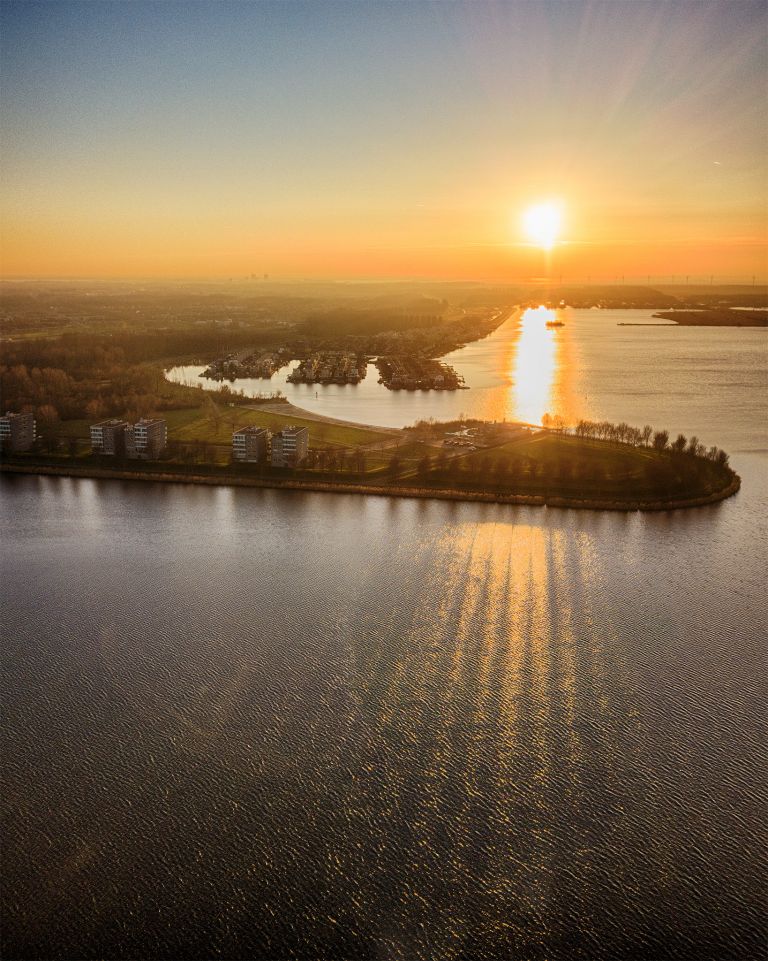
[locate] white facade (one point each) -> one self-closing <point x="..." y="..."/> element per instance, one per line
<point x="290" y="446"/>
<point x="117" y="438"/>
<point x="149" y="438"/>
<point x="108" y="437"/>
<point x="249" y="444"/>
<point x="17" y="432"/>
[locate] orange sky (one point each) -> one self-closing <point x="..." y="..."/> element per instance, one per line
<point x="383" y="140"/>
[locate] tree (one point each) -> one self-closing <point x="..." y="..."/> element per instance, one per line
<point x="213" y="413"/>
<point x="424" y="467"/>
<point x="501" y="468"/>
<point x="47" y="418"/>
<point x="679" y="444"/>
<point x="394" y="466"/>
<point x="564" y="469"/>
<point x="646" y="433"/>
<point x="95" y="409"/>
<point x="660" y="439"/>
<point x="558" y="423"/>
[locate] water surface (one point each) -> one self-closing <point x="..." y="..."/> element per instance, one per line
<point x="694" y="379"/>
<point x="258" y="724"/>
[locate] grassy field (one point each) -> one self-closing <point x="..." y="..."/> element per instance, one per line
<point x="202" y="424"/>
<point x="619" y="462"/>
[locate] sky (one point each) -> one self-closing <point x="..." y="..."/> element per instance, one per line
<point x="368" y="140"/>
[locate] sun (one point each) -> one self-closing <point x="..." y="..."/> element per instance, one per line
<point x="541" y="223"/>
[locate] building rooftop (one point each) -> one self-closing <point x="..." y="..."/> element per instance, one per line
<point x="252" y="429"/>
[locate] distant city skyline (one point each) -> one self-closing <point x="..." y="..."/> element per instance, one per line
<point x="384" y="140"/>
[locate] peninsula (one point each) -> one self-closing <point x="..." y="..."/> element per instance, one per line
<point x="83" y="358"/>
<point x="716" y="317"/>
<point x="592" y="465"/>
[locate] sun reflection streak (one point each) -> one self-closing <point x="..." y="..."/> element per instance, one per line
<point x="535" y="366"/>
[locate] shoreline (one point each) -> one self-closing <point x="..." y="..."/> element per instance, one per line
<point x="486" y="497"/>
<point x="288" y="408"/>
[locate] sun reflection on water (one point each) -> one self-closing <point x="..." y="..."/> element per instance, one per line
<point x="535" y="365"/>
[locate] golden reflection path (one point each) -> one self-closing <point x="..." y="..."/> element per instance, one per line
<point x="535" y="365"/>
<point x="507" y="647"/>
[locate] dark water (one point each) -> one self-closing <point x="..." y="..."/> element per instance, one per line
<point x="250" y="724"/>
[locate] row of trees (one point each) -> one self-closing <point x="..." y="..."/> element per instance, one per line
<point x="646" y="436"/>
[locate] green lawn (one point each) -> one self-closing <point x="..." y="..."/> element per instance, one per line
<point x="199" y="424"/>
<point x="79" y="429"/>
<point x="549" y="450"/>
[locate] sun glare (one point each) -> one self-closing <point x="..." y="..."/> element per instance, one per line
<point x="542" y="224"/>
<point x="535" y="365"/>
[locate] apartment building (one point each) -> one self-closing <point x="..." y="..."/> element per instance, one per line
<point x="17" y="432"/>
<point x="290" y="446"/>
<point x="145" y="439"/>
<point x="108" y="437"/>
<point x="249" y="444"/>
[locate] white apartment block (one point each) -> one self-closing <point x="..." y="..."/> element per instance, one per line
<point x="249" y="444"/>
<point x="117" y="438"/>
<point x="290" y="446"/>
<point x="17" y="432"/>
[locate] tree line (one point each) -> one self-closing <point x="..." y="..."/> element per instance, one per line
<point x="646" y="436"/>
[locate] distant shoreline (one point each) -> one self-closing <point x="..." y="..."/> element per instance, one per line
<point x="487" y="497"/>
<point x="715" y="317"/>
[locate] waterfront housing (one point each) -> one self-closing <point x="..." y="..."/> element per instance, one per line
<point x="146" y="439"/>
<point x="330" y="367"/>
<point x="290" y="446"/>
<point x="108" y="437"/>
<point x="404" y="372"/>
<point x="17" y="432"/>
<point x="249" y="444"/>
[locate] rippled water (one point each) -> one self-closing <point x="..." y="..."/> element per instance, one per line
<point x="253" y="724"/>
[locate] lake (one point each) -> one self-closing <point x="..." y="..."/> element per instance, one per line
<point x="691" y="379"/>
<point x="258" y="724"/>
